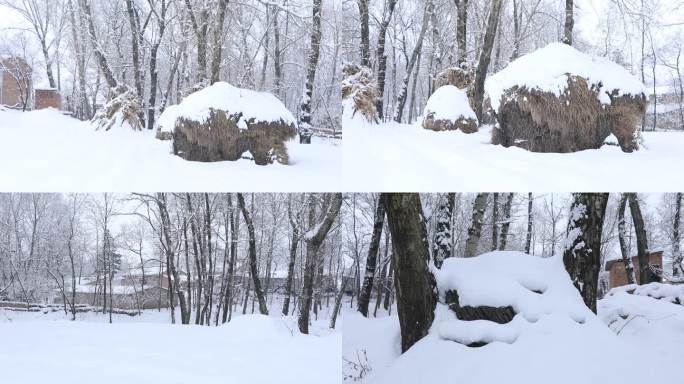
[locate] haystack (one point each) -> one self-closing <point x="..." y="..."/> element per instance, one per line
<point x="222" y="122"/>
<point x="448" y="109"/>
<point x="123" y="108"/>
<point x="558" y="99"/>
<point x="460" y="77"/>
<point x="359" y="93"/>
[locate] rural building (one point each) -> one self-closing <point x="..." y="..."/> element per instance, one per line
<point x="18" y="91"/>
<point x="618" y="275"/>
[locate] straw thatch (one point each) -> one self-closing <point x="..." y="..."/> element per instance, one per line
<point x="221" y="137"/>
<point x="359" y="92"/>
<point x="576" y="120"/>
<point x="123" y="107"/>
<point x="459" y="77"/>
<point x="467" y="125"/>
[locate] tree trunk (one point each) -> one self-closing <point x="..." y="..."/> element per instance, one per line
<point x="218" y="41"/>
<point x="97" y="48"/>
<point x="382" y="59"/>
<point x="677" y="269"/>
<point x="495" y="221"/>
<point x="414" y="283"/>
<point x="294" y="241"/>
<point x="503" y="240"/>
<point x="622" y="236"/>
<point x="528" y="239"/>
<point x="365" y="32"/>
<point x="569" y="22"/>
<point x="442" y="244"/>
<point x="371" y="259"/>
<point x="485" y="58"/>
<point x="582" y="253"/>
<point x="253" y="256"/>
<point x="305" y="118"/>
<point x="154" y="75"/>
<point x="475" y="229"/>
<point x="314" y="238"/>
<point x="461" y="29"/>
<point x="403" y="92"/>
<point x="645" y="273"/>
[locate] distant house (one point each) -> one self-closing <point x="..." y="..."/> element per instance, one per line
<point x="618" y="274"/>
<point x="16" y="84"/>
<point x="18" y="91"/>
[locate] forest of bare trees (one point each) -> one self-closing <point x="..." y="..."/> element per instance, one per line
<point x="218" y="253"/>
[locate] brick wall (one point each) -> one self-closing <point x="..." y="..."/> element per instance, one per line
<point x="618" y="275"/>
<point x="16" y="86"/>
<point x="48" y="98"/>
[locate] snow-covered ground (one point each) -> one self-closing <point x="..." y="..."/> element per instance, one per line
<point x="46" y="151"/>
<point x="47" y="348"/>
<point x="394" y="157"/>
<point x="552" y="339"/>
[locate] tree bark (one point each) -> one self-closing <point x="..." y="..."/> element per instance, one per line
<point x="461" y="29"/>
<point x="622" y="236"/>
<point x="415" y="285"/>
<point x="475" y="229"/>
<point x="582" y="253"/>
<point x="99" y="54"/>
<point x="218" y="41"/>
<point x="642" y="241"/>
<point x="569" y="22"/>
<point x="365" y="32"/>
<point x="677" y="269"/>
<point x="371" y="259"/>
<point x="252" y="256"/>
<point x="314" y="238"/>
<point x="305" y="118"/>
<point x="382" y="59"/>
<point x="528" y="239"/>
<point x="442" y="244"/>
<point x="294" y="242"/>
<point x="485" y="58"/>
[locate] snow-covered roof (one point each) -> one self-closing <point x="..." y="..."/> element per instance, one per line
<point x="449" y="103"/>
<point x="545" y="69"/>
<point x="259" y="106"/>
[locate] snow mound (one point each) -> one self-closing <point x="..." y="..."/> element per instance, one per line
<point x="546" y="69"/>
<point x="551" y="331"/>
<point x="533" y="287"/>
<point x="449" y="103"/>
<point x="666" y="292"/>
<point x="256" y="107"/>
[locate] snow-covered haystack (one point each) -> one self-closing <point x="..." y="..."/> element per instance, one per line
<point x="529" y="323"/>
<point x="448" y="109"/>
<point x="459" y="77"/>
<point x="221" y="122"/>
<point x="558" y="99"/>
<point x="123" y="108"/>
<point x="500" y="296"/>
<point x="359" y="93"/>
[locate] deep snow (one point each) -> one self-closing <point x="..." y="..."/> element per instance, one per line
<point x="46" y="348"/>
<point x="554" y="339"/>
<point x="393" y="157"/>
<point x="45" y="151"/>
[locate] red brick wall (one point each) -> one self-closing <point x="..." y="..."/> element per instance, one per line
<point x="618" y="275"/>
<point x="16" y="82"/>
<point x="46" y="98"/>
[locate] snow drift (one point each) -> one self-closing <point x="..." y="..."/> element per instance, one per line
<point x="552" y="336"/>
<point x="222" y="122"/>
<point x="448" y="109"/>
<point x="558" y="99"/>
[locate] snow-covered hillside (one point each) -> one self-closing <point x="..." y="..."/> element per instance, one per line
<point x="401" y="157"/>
<point x="38" y="348"/>
<point x="47" y="151"/>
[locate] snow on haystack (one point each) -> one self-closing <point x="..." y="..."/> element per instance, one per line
<point x="123" y="109"/>
<point x="448" y="109"/>
<point x="359" y="93"/>
<point x="543" y="328"/>
<point x="558" y="99"/>
<point x="221" y="122"/>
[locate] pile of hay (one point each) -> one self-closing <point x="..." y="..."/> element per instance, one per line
<point x="359" y="93"/>
<point x="558" y="99"/>
<point x="123" y="108"/>
<point x="460" y="77"/>
<point x="222" y="122"/>
<point x="448" y="109"/>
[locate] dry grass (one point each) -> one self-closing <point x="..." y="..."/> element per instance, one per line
<point x="123" y="106"/>
<point x="543" y="122"/>
<point x="359" y="85"/>
<point x="219" y="138"/>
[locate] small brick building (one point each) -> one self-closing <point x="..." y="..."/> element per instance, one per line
<point x="47" y="98"/>
<point x="16" y="85"/>
<point x="618" y="275"/>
